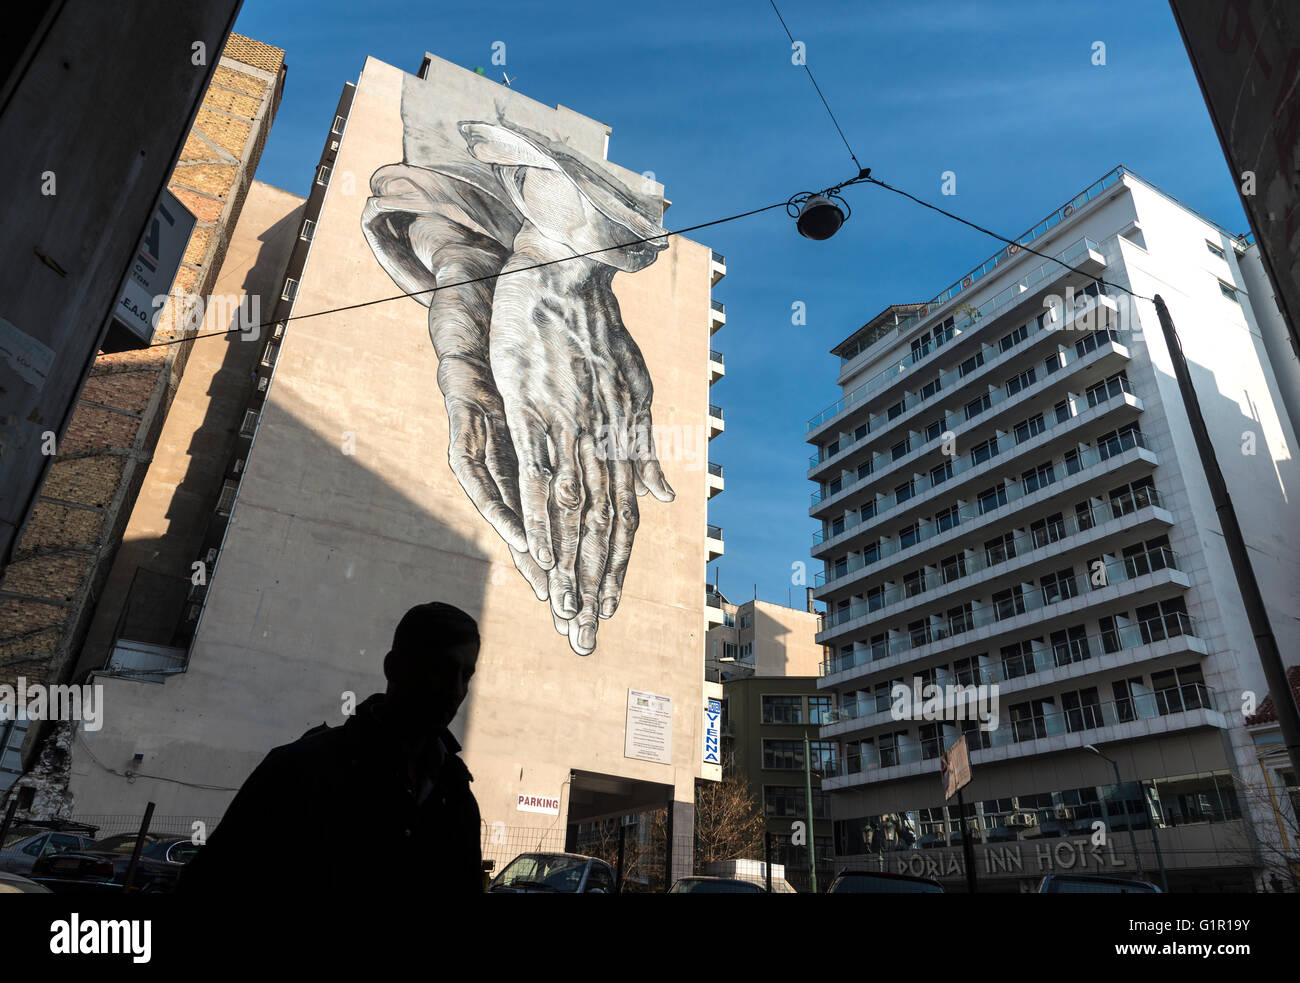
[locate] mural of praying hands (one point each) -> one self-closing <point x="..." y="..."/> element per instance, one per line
<point x="574" y="386"/>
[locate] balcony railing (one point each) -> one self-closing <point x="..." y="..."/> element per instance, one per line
<point x="715" y="469"/>
<point x="715" y="356"/>
<point x="712" y="600"/>
<point x="715" y="532"/>
<point x="951" y="380"/>
<point x="715" y="410"/>
<point x="718" y="257"/>
<point x="718" y="306"/>
<point x="1021" y="600"/>
<point x="1013" y="489"/>
<point x="1052" y="655"/>
<point x="946" y="575"/>
<point x="991" y="308"/>
<point x="1042" y="727"/>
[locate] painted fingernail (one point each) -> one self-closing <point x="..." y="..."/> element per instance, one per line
<point x="570" y="603"/>
<point x="587" y="637"/>
<point x="607" y="607"/>
<point x="544" y="556"/>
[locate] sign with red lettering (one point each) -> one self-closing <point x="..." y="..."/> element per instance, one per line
<point x="537" y="803"/>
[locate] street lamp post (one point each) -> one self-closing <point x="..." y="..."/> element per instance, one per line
<point x="1164" y="885"/>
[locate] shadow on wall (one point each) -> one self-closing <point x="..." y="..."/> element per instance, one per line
<point x="323" y="557"/>
<point x="190" y="513"/>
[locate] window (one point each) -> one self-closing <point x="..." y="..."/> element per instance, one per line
<point x="1215" y="249"/>
<point x="961" y="618"/>
<point x="879" y="646"/>
<point x="1118" y="441"/>
<point x="931" y="387"/>
<point x="1059" y="586"/>
<point x="983" y="451"/>
<point x="896" y="410"/>
<point x="1082" y="710"/>
<point x="943" y="332"/>
<point x="914" y="583"/>
<point x="992" y="498"/>
<point x="250" y="423"/>
<point x="953" y="567"/>
<point x="967" y="671"/>
<point x="339" y="122"/>
<point x="1008" y="603"/>
<point x="1108" y="388"/>
<point x="918" y="632"/>
<point x="1228" y="292"/>
<point x="784" y="755"/>
<point x="1022" y="381"/>
<point x="1018" y="659"/>
<point x="791" y="801"/>
<point x="931" y="741"/>
<point x="1049" y="530"/>
<point x="1036" y="478"/>
<point x="290" y="290"/>
<point x="865" y="468"/>
<point x="876" y="598"/>
<point x="1016" y="337"/>
<point x="933" y="431"/>
<point x="971" y="364"/>
<point x="819" y="709"/>
<point x="1084" y="517"/>
<point x="905" y="491"/>
<point x="909" y="535"/>
<point x="1179" y="690"/>
<point x="1027" y="429"/>
<point x="1052" y="363"/>
<point x="941" y="473"/>
<point x="1127" y="694"/>
<point x="1131" y="497"/>
<point x="1166" y="619"/>
<point x="227" y="500"/>
<point x="1090" y="342"/>
<point x="862" y="431"/>
<point x="833" y="488"/>
<point x="323" y="174"/>
<point x="901" y="448"/>
<point x="946" y="519"/>
<point x="1001" y="549"/>
<point x="1110" y="636"/>
<point x="746" y="620"/>
<point x="747" y="651"/>
<point x="977" y="406"/>
<point x="782" y="709"/>
<point x="1027" y="721"/>
<point x="920" y="347"/>
<point x="1073" y="462"/>
<point x="1070" y="645"/>
<point x="308" y="230"/>
<point x="1062" y="410"/>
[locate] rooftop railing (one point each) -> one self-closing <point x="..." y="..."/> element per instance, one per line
<point x="989" y="309"/>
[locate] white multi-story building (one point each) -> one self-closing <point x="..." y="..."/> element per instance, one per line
<point x="1010" y="496"/>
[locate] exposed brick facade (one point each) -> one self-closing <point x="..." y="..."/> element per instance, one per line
<point x="48" y="591"/>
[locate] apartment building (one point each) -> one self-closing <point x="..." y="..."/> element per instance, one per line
<point x="761" y="638"/>
<point x="1009" y="497"/>
<point x="355" y="495"/>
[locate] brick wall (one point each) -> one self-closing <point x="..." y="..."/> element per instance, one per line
<point x="48" y="591"/>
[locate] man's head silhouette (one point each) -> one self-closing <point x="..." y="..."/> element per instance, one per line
<point x="435" y="648"/>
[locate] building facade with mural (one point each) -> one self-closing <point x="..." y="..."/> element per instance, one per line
<point x="507" y="409"/>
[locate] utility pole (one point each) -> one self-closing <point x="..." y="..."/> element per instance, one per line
<point x="812" y="840"/>
<point x="1288" y="717"/>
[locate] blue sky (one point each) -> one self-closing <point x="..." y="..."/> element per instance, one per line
<point x="1002" y="93"/>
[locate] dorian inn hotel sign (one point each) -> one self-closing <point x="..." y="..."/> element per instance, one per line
<point x="1027" y="858"/>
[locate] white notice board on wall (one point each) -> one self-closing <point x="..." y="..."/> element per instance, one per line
<point x="649" y="732"/>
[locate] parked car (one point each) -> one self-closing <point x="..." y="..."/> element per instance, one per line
<point x="25" y="844"/>
<point x="17" y="884"/>
<point x="102" y="866"/>
<point x="1093" y="884"/>
<point x="880" y="882"/>
<point x="715" y="885"/>
<point x="554" y="873"/>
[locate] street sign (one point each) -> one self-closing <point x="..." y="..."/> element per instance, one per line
<point x="954" y="768"/>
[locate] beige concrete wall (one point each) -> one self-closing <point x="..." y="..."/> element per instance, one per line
<point x="326" y="548"/>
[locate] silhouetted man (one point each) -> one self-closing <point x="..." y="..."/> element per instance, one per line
<point x="380" y="804"/>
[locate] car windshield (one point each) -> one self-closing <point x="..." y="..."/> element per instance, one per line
<point x="871" y="884"/>
<point x="697" y="886"/>
<point x="124" y="844"/>
<point x="14" y="835"/>
<point x="545" y="871"/>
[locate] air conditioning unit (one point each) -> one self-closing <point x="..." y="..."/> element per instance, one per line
<point x="334" y="145"/>
<point x="1022" y="820"/>
<point x="1064" y="812"/>
<point x="262" y="383"/>
<point x="239" y="465"/>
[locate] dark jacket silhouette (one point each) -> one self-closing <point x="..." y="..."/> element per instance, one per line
<point x="335" y="811"/>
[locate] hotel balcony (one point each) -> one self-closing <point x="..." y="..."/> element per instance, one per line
<point x="1083" y="361"/>
<point x="717" y="315"/>
<point x="717" y="267"/>
<point x="716" y="426"/>
<point x="1129" y="581"/>
<point x="1157" y="642"/>
<point x="1116" y="458"/>
<point x="713" y="615"/>
<point x="1019" y="297"/>
<point x="1134" y="580"/>
<point x="1165" y="711"/>
<point x="714" y="479"/>
<point x="713" y="540"/>
<point x="1132" y="517"/>
<point x="716" y="368"/>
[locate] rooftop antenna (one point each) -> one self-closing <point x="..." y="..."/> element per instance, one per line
<point x="507" y="79"/>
